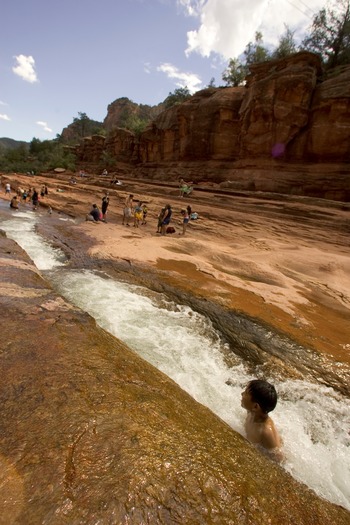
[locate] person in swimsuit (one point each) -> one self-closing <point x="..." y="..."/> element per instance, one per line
<point x="185" y="221"/>
<point x="127" y="211"/>
<point x="259" y="398"/>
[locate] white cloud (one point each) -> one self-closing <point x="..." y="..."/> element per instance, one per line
<point x="25" y="68"/>
<point x="192" y="7"/>
<point x="44" y="125"/>
<point x="3" y="103"/>
<point x="4" y="117"/>
<point x="227" y="26"/>
<point x="192" y="81"/>
<point x="147" y="67"/>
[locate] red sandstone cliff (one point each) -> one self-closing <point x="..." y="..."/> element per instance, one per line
<point x="284" y="120"/>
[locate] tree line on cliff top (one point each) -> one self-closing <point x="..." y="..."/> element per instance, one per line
<point x="329" y="37"/>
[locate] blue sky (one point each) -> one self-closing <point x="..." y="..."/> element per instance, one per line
<point x="61" y="57"/>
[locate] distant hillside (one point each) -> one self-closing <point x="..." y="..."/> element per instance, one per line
<point x="6" y="143"/>
<point x="122" y="113"/>
<point x="79" y="128"/>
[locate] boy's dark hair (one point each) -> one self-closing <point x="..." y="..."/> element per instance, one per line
<point x="263" y="393"/>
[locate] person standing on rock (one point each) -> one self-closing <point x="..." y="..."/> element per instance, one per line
<point x="35" y="199"/>
<point x="160" y="220"/>
<point x="127" y="211"/>
<point x="104" y="207"/>
<point x="185" y="221"/>
<point x="138" y="214"/>
<point x="144" y="214"/>
<point x="166" y="218"/>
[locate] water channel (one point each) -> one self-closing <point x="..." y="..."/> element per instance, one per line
<point x="313" y="420"/>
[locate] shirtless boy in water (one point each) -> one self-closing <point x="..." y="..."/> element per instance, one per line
<point x="259" y="398"/>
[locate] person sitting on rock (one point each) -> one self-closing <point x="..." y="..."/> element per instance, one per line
<point x="185" y="188"/>
<point x="259" y="398"/>
<point x="14" y="203"/>
<point x="94" y="215"/>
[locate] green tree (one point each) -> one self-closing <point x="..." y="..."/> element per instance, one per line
<point x="286" y="46"/>
<point x="177" y="97"/>
<point x="235" y="73"/>
<point x="330" y="34"/>
<point x="40" y="156"/>
<point x="256" y="52"/>
<point x="38" y="147"/>
<point x="238" y="69"/>
<point x="107" y="159"/>
<point x="81" y="123"/>
<point x="14" y="159"/>
<point x="135" y="124"/>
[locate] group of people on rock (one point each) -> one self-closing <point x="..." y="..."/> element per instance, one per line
<point x="22" y="195"/>
<point x="96" y="214"/>
<point x="138" y="214"/>
<point x="131" y="212"/>
<point x="165" y="216"/>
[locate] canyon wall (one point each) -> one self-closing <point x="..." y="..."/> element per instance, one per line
<point x="285" y="124"/>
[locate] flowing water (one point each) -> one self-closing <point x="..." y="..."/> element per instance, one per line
<point x="313" y="420"/>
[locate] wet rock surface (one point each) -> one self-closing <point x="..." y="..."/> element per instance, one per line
<point x="271" y="273"/>
<point x="90" y="433"/>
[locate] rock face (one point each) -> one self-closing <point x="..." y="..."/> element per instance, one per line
<point x="276" y="105"/>
<point x="90" y="433"/>
<point x="327" y="137"/>
<point x="121" y="144"/>
<point x="284" y="122"/>
<point x="204" y="127"/>
<point x="91" y="149"/>
<point x="119" y="111"/>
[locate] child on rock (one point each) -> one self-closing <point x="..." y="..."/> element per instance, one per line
<point x="259" y="398"/>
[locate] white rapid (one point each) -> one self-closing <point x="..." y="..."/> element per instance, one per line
<point x="313" y="420"/>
